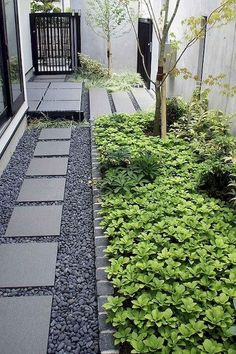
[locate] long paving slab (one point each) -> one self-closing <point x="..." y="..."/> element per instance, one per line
<point x="27" y="264"/>
<point x="52" y="148"/>
<point x="24" y="324"/>
<point x="42" y="190"/>
<point x="35" y="221"/>
<point x="55" y="133"/>
<point x="123" y="103"/>
<point x="99" y="102"/>
<point x="143" y="98"/>
<point x="48" y="166"/>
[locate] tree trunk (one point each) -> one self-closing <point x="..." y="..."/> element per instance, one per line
<point x="160" y="79"/>
<point x="109" y="57"/>
<point x="163" y="111"/>
<point x="157" y="117"/>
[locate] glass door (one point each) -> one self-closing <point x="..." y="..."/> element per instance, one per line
<point x="11" y="83"/>
<point x="14" y="59"/>
<point x="3" y="101"/>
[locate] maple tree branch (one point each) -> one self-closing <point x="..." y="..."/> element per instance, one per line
<point x="173" y="15"/>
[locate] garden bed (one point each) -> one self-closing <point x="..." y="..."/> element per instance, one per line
<point x="171" y="246"/>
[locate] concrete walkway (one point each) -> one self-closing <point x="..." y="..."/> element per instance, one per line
<point x="61" y="316"/>
<point x="52" y="95"/>
<point x="139" y="99"/>
<point x="24" y="321"/>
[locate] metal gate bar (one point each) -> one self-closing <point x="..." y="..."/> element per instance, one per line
<point x="55" y="42"/>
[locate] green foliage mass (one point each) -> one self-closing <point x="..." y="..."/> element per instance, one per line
<point x="44" y="6"/>
<point x="171" y="248"/>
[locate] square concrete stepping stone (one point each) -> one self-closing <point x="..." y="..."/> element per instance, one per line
<point x="52" y="148"/>
<point x="24" y="324"/>
<point x="59" y="106"/>
<point x="66" y="85"/>
<point x="33" y="105"/>
<point x="62" y="95"/>
<point x="42" y="190"/>
<point x="35" y="94"/>
<point x="27" y="264"/>
<point x="55" y="133"/>
<point x="54" y="166"/>
<point x="35" y="221"/>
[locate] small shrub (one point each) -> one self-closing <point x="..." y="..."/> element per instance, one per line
<point x="197" y="106"/>
<point x="148" y="165"/>
<point x="94" y="74"/>
<point x="215" y="178"/>
<point x="120" y="181"/>
<point x="232" y="188"/>
<point x="116" y="158"/>
<point x="90" y="66"/>
<point x="232" y="329"/>
<point x="176" y="108"/>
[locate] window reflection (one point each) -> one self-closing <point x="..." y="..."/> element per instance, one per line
<point x="13" y="49"/>
<point x="2" y="105"/>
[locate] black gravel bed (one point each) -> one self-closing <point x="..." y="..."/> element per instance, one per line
<point x="85" y="104"/>
<point x="74" y="322"/>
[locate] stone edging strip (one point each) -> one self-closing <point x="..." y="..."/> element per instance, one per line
<point x="104" y="287"/>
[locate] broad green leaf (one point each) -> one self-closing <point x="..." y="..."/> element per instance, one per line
<point x="153" y="342"/>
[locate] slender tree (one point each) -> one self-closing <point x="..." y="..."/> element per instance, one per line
<point x="108" y="19"/>
<point x="162" y="24"/>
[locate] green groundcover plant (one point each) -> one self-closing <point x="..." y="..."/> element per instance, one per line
<point x="172" y="248"/>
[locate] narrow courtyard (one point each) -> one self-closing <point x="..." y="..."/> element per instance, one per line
<point x="47" y="256"/>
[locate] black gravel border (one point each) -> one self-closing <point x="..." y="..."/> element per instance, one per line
<point x="74" y="319"/>
<point x="104" y="286"/>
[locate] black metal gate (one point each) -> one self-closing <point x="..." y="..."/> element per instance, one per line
<point x="55" y="41"/>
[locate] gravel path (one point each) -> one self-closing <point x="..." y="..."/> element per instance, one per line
<point x="74" y="324"/>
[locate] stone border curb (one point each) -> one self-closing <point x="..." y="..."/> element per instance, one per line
<point x="104" y="287"/>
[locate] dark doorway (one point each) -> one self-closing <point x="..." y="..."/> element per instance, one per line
<point x="145" y="42"/>
<point x="55" y="42"/>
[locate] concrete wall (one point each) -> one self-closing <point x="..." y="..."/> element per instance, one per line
<point x="124" y="48"/>
<point x="220" y="54"/>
